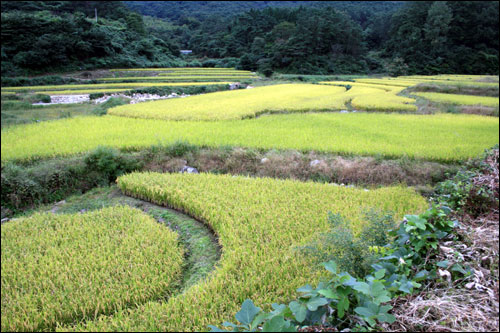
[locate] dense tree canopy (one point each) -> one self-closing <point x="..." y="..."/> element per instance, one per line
<point x="308" y="37"/>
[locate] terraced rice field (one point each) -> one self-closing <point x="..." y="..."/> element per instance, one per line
<point x="244" y="212"/>
<point x="116" y="269"/>
<point x="101" y="87"/>
<point x="277" y="98"/>
<point x="459" y="99"/>
<point x="178" y="78"/>
<point x="76" y="267"/>
<point x="181" y="70"/>
<point x="444" y="137"/>
<point x="182" y="74"/>
<point x="240" y="104"/>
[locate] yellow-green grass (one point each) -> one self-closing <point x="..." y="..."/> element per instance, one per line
<point x="59" y="269"/>
<point x="238" y="104"/>
<point x="259" y="222"/>
<point x="167" y="78"/>
<point x="82" y="91"/>
<point x="109" y="86"/>
<point x="461" y="83"/>
<point x="8" y="92"/>
<point x="452" y="77"/>
<point x="389" y="82"/>
<point x="409" y="81"/>
<point x="394" y="89"/>
<point x="442" y="137"/>
<point x="228" y="73"/>
<point x="376" y="97"/>
<point x="383" y="102"/>
<point x="179" y="69"/>
<point x="458" y="99"/>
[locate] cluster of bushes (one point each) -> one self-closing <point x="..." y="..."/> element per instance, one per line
<point x="15" y="102"/>
<point x="53" y="180"/>
<point x="190" y="90"/>
<point x="473" y="190"/>
<point x="24" y="186"/>
<point x="37" y="81"/>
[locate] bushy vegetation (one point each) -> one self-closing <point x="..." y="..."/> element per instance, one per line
<point x="36" y="81"/>
<point x="351" y="252"/>
<point x="109" y="162"/>
<point x="474" y="189"/>
<point x="60" y="269"/>
<point x="361" y="302"/>
<point x="64" y="35"/>
<point x="243" y="212"/>
<point x="50" y="181"/>
<point x="432" y="137"/>
<point x="316" y="38"/>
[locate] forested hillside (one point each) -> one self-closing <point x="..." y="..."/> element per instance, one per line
<point x="176" y="11"/>
<point x="44" y="36"/>
<point x="290" y="37"/>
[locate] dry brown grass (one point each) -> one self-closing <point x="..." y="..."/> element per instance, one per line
<point x="480" y="110"/>
<point x="363" y="171"/>
<point x="445" y="310"/>
<point x="466" y="306"/>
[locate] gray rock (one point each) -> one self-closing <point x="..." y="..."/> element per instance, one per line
<point x="318" y="164"/>
<point x="344" y="111"/>
<point x="189" y="169"/>
<point x="314" y="163"/>
<point x="5" y="220"/>
<point x="264" y="160"/>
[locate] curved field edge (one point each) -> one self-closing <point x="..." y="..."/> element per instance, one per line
<point x="441" y="137"/>
<point x="238" y="104"/>
<point x="202" y="249"/>
<point x="259" y="222"/>
<point x="61" y="269"/>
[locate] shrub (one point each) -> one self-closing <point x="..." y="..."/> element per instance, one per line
<point x="350" y="251"/>
<point x="110" y="162"/>
<point x="36" y="81"/>
<point x="45" y="182"/>
<point x="473" y="189"/>
<point x="96" y="95"/>
<point x="37" y="98"/>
